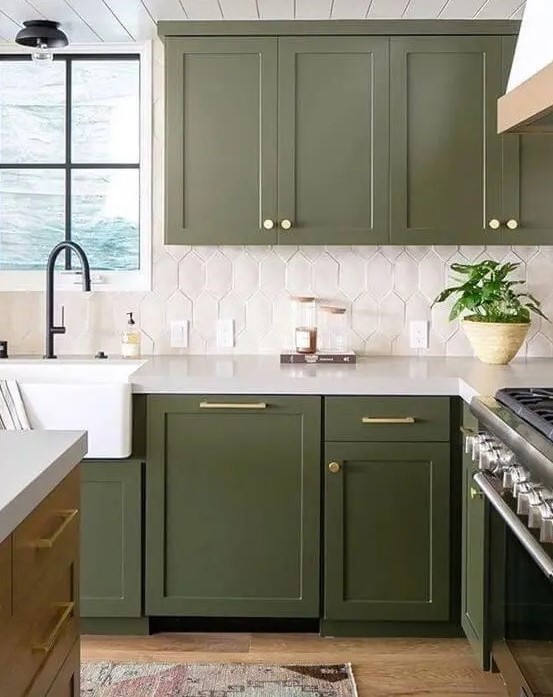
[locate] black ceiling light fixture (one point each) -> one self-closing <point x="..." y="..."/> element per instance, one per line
<point x="42" y="37"/>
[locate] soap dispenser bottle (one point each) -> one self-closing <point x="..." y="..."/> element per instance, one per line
<point x="130" y="339"/>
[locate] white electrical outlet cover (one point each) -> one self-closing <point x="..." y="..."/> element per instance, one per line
<point x="179" y="333"/>
<point x="225" y="333"/>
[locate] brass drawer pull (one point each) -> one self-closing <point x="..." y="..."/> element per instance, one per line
<point x="233" y="405"/>
<point x="50" y="642"/>
<point x="388" y="420"/>
<point x="49" y="542"/>
<point x="475" y="494"/>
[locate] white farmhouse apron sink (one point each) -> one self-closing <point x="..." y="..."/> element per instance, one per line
<point x="82" y="395"/>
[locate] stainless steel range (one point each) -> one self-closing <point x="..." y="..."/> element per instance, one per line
<point x="513" y="450"/>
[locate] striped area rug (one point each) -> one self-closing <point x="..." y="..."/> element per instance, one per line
<point x="211" y="680"/>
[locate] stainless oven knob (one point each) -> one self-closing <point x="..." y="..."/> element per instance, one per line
<point x="534" y="514"/>
<point x="508" y="478"/>
<point x="522" y="493"/>
<point x="528" y="495"/>
<point x="506" y="457"/>
<point x="478" y="441"/>
<point x="519" y="475"/>
<point x="546" y="528"/>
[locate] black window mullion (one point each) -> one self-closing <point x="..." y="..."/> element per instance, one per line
<point x="68" y="165"/>
<point x="68" y="136"/>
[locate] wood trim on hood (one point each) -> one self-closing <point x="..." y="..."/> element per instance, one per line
<point x="528" y="108"/>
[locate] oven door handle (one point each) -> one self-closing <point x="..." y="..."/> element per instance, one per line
<point x="520" y="531"/>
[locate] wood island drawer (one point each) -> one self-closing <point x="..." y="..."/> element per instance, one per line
<point x="43" y="635"/>
<point x="68" y="681"/>
<point x="45" y="540"/>
<point x="387" y="419"/>
<point x="5" y="594"/>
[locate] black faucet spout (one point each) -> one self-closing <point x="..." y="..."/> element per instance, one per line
<point x="51" y="328"/>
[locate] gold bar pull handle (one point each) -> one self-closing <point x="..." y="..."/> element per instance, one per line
<point x="388" y="420"/>
<point x="67" y="517"/>
<point x="233" y="405"/>
<point x="48" y="645"/>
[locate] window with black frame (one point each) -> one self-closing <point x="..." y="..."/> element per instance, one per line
<point x="70" y="160"/>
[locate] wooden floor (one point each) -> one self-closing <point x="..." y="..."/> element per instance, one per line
<point x="382" y="667"/>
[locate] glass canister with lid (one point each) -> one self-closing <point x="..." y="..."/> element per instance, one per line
<point x="333" y="329"/>
<point x="305" y="324"/>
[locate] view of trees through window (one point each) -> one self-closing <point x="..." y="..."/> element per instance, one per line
<point x="69" y="160"/>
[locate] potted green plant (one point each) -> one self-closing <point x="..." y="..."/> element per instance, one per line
<point x="494" y="315"/>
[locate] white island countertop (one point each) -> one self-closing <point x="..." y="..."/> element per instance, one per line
<point x="32" y="464"/>
<point x="379" y="375"/>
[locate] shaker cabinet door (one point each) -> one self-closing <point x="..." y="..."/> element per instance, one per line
<point x="232" y="506"/>
<point x="111" y="538"/>
<point x="527" y="200"/>
<point x="220" y="151"/>
<point x="333" y="140"/>
<point x="387" y="522"/>
<point x="446" y="155"/>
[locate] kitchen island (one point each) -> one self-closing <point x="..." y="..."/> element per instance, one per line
<point x="39" y="562"/>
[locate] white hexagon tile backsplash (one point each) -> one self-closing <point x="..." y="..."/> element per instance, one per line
<point x="384" y="288"/>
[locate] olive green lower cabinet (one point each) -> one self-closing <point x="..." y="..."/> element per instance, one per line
<point x="233" y="506"/>
<point x="111" y="541"/>
<point x="387" y="549"/>
<point x="474" y="575"/>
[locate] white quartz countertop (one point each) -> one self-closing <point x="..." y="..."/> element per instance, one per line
<point x="220" y="374"/>
<point x="32" y="464"/>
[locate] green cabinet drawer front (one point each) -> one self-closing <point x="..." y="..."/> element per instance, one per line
<point x="233" y="504"/>
<point x="446" y="156"/>
<point x="220" y="152"/>
<point x="387" y="532"/>
<point x="387" y="419"/>
<point x="333" y="139"/>
<point x="473" y="589"/>
<point x="111" y="538"/>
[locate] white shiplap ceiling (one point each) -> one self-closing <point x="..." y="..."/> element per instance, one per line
<point x="87" y="21"/>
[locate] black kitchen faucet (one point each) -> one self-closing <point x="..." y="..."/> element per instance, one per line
<point x="51" y="328"/>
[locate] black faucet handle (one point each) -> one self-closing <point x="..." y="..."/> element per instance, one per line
<point x="61" y="328"/>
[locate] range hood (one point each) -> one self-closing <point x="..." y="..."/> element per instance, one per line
<point x="527" y="106"/>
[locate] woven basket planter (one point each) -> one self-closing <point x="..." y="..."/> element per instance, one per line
<point x="495" y="342"/>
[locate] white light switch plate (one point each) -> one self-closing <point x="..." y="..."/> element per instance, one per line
<point x="418" y="334"/>
<point x="179" y="333"/>
<point x="225" y="333"/>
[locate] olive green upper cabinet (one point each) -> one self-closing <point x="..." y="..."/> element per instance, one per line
<point x="232" y="506"/>
<point x="527" y="200"/>
<point x="446" y="156"/>
<point x="221" y="138"/>
<point x="333" y="140"/>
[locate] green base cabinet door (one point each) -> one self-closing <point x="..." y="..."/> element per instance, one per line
<point x="333" y="140"/>
<point x="220" y="140"/>
<point x="446" y="156"/>
<point x="233" y="506"/>
<point x="387" y="523"/>
<point x="111" y="538"/>
<point x="473" y="588"/>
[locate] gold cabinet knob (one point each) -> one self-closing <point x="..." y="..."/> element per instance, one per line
<point x="494" y="224"/>
<point x="285" y="224"/>
<point x="334" y="467"/>
<point x="512" y="224"/>
<point x="268" y="224"/>
<point x="475" y="494"/>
